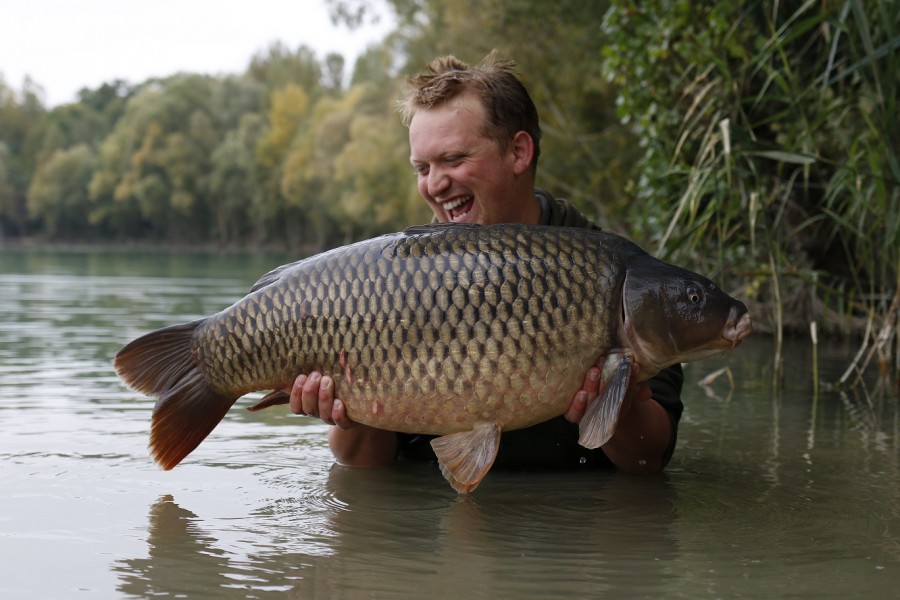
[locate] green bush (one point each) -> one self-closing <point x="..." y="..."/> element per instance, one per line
<point x="769" y="137"/>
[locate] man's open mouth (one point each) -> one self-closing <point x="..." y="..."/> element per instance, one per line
<point x="458" y="207"/>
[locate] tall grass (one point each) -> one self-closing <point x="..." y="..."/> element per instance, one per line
<point x="775" y="130"/>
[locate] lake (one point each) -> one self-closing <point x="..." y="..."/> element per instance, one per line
<point x="772" y="492"/>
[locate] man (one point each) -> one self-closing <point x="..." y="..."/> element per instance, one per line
<point x="474" y="140"/>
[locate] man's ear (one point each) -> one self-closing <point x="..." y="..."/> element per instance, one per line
<point x="522" y="149"/>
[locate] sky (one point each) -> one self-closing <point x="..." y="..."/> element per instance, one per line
<point x="65" y="45"/>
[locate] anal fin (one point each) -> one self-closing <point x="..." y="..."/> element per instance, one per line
<point x="466" y="457"/>
<point x="599" y="421"/>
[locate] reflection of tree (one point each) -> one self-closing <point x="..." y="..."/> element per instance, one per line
<point x="400" y="532"/>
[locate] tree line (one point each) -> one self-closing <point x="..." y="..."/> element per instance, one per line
<point x="756" y="141"/>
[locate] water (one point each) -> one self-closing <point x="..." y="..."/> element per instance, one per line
<point x="768" y="495"/>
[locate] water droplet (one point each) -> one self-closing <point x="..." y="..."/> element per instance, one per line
<point x="582" y="460"/>
<point x="642" y="462"/>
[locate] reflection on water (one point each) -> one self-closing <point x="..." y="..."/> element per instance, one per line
<point x="383" y="534"/>
<point x="768" y="495"/>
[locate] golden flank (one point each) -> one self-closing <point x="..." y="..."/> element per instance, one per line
<point x="457" y="330"/>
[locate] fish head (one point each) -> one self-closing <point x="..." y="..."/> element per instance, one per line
<point x="671" y="315"/>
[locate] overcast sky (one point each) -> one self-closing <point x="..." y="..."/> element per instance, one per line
<point x="65" y="45"/>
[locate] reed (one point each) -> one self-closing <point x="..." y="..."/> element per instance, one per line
<point x="774" y="126"/>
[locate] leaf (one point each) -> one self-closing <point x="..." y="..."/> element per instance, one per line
<point x="787" y="157"/>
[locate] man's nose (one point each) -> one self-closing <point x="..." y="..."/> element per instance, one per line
<point x="438" y="182"/>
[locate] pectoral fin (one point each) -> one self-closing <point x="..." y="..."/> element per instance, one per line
<point x="467" y="456"/>
<point x="599" y="421"/>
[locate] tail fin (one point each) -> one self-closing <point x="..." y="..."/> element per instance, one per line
<point x="162" y="364"/>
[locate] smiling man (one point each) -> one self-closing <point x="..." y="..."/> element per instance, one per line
<point x="474" y="138"/>
<point x="467" y="174"/>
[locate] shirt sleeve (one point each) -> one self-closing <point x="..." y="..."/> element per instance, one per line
<point x="665" y="387"/>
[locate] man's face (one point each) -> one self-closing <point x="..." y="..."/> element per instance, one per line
<point x="464" y="176"/>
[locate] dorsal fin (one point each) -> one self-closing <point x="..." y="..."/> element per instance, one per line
<point x="438" y="227"/>
<point x="272" y="276"/>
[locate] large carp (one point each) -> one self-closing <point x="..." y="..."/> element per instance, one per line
<point x="457" y="330"/>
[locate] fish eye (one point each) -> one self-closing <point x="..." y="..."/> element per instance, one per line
<point x="694" y="294"/>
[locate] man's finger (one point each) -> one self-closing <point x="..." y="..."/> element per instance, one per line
<point x="339" y="415"/>
<point x="296" y="401"/>
<point x="310" y="395"/>
<point x="325" y="399"/>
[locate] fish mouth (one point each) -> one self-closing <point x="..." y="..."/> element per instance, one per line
<point x="738" y="327"/>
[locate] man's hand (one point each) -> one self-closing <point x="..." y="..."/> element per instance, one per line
<point x="313" y="395"/>
<point x="351" y="443"/>
<point x="642" y="432"/>
<point x="593" y="385"/>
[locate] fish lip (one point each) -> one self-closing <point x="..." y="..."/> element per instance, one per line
<point x="742" y="327"/>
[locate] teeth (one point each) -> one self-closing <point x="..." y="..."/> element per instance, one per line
<point x="455" y="203"/>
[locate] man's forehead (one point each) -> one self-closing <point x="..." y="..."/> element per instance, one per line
<point x="444" y="131"/>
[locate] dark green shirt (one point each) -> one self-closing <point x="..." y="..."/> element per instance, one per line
<point x="554" y="444"/>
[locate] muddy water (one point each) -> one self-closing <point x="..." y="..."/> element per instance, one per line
<point x="769" y="494"/>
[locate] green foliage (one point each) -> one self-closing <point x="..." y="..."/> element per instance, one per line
<point x="154" y="164"/>
<point x="234" y="183"/>
<point x="249" y="160"/>
<point x="87" y="121"/>
<point x="769" y="136"/>
<point x="755" y="141"/>
<point x="59" y="192"/>
<point x="279" y="67"/>
<point x="22" y="120"/>
<point x="9" y="210"/>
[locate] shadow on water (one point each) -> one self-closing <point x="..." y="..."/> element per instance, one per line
<point x="383" y="534"/>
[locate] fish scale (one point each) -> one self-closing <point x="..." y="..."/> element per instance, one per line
<point x="448" y="330"/>
<point x="443" y="311"/>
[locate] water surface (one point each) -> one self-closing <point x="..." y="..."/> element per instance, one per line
<point x="769" y="494"/>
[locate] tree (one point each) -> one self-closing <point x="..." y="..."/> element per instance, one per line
<point x="58" y="194"/>
<point x="154" y="164"/>
<point x="87" y="121"/>
<point x="235" y="183"/>
<point x="378" y="188"/>
<point x="21" y="124"/>
<point x="333" y="77"/>
<point x="288" y="114"/>
<point x="8" y="204"/>
<point x="279" y="67"/>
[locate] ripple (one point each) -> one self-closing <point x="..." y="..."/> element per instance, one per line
<point x="752" y="501"/>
